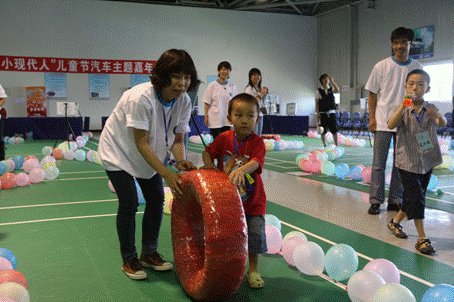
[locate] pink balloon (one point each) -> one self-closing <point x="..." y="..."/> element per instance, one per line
<point x="5" y="264"/>
<point x="36" y="176"/>
<point x="316" y="166"/>
<point x="289" y="246"/>
<point x="30" y="164"/>
<point x="388" y="179"/>
<point x="22" y="179"/>
<point x="366" y="174"/>
<point x="385" y="268"/>
<point x="111" y="187"/>
<point x="273" y="239"/>
<point x="12" y="164"/>
<point x="69" y="154"/>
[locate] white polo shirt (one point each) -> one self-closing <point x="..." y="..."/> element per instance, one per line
<point x="387" y="80"/>
<point x="140" y="108"/>
<point x="218" y="95"/>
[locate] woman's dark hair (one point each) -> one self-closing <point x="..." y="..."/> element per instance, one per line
<point x="173" y="61"/>
<point x="325" y="75"/>
<point x="402" y="32"/>
<point x="251" y="73"/>
<point x="224" y="64"/>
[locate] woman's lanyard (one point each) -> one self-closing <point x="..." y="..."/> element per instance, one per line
<point x="237" y="148"/>
<point x="166" y="125"/>
<point x="419" y="119"/>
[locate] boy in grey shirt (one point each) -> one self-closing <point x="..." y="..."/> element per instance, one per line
<point x="417" y="152"/>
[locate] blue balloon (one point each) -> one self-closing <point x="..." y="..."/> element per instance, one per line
<point x="277" y="145"/>
<point x="355" y="173"/>
<point x="140" y="197"/>
<point x="341" y="262"/>
<point x="5" y="253"/>
<point x="341" y="170"/>
<point x="439" y="293"/>
<point x="2" y="168"/>
<point x="433" y="183"/>
<point x="18" y="161"/>
<point x="272" y="220"/>
<point x="80" y="155"/>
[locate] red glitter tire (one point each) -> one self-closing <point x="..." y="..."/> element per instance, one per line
<point x="209" y="235"/>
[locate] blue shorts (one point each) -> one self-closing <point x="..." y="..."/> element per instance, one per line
<point x="256" y="234"/>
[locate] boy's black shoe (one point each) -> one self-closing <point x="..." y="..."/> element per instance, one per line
<point x="424" y="246"/>
<point x="374" y="209"/>
<point x="396" y="229"/>
<point x="393" y="207"/>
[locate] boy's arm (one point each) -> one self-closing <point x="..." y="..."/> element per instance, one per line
<point x="372" y="107"/>
<point x="439" y="118"/>
<point x="207" y="161"/>
<point x="237" y="176"/>
<point x="395" y="120"/>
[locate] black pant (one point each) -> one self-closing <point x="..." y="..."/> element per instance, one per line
<point x="415" y="186"/>
<point x="153" y="192"/>
<point x="2" y="143"/>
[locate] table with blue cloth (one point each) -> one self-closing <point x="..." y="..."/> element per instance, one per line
<point x="42" y="127"/>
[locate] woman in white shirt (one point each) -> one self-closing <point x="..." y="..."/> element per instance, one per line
<point x="255" y="89"/>
<point x="2" y="143"/>
<point x="148" y="124"/>
<point x="216" y="99"/>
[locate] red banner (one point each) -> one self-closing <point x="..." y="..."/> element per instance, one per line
<point x="10" y="63"/>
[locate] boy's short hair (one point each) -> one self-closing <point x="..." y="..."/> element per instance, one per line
<point x="419" y="71"/>
<point x="244" y="97"/>
<point x="325" y="75"/>
<point x="402" y="32"/>
<point x="173" y="61"/>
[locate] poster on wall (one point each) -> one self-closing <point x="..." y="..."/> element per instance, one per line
<point x="36" y="101"/>
<point x="137" y="79"/>
<point x="423" y="43"/>
<point x="55" y="85"/>
<point x="99" y="86"/>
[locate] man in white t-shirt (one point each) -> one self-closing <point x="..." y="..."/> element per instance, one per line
<point x="386" y="91"/>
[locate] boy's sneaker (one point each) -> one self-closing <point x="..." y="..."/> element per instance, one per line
<point x="374" y="209"/>
<point x="396" y="229"/>
<point x="134" y="270"/>
<point x="424" y="246"/>
<point x="155" y="261"/>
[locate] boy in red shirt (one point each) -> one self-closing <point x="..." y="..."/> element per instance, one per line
<point x="242" y="155"/>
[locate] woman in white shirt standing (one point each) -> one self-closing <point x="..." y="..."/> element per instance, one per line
<point x="216" y="99"/>
<point x="2" y="143"/>
<point x="255" y="89"/>
<point x="148" y="124"/>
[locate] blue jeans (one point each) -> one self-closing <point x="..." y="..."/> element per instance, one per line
<point x="382" y="141"/>
<point x="153" y="192"/>
<point x="259" y="126"/>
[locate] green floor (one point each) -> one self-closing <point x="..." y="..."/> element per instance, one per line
<point x="63" y="235"/>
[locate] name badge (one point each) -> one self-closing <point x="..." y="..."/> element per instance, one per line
<point x="424" y="140"/>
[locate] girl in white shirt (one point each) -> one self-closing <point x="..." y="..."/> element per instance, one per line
<point x="216" y="99"/>
<point x="255" y="89"/>
<point x="148" y="124"/>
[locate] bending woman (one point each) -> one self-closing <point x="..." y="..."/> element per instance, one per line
<point x="147" y="125"/>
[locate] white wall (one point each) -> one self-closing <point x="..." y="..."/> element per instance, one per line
<point x="283" y="47"/>
<point x="374" y="34"/>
